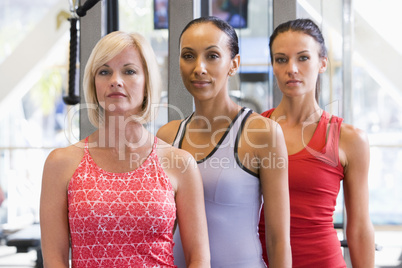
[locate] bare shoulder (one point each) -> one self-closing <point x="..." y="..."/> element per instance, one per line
<point x="351" y="137"/>
<point x="178" y="164"/>
<point x="67" y="155"/>
<point x="261" y="129"/>
<point x="175" y="157"/>
<point x="353" y="145"/>
<point x="168" y="131"/>
<point x="259" y="122"/>
<point x="62" y="162"/>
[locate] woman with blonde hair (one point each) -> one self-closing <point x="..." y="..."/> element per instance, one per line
<point x="116" y="195"/>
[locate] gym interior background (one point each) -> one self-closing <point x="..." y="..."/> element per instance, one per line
<point x="361" y="85"/>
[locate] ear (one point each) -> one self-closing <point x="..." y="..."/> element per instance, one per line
<point x="235" y="64"/>
<point x="324" y="63"/>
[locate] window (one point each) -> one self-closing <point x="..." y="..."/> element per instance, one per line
<point x="33" y="115"/>
<point x="375" y="96"/>
<point x="252" y="86"/>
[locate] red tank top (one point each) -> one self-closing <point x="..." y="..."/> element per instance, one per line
<point x="315" y="174"/>
<point x="121" y="219"/>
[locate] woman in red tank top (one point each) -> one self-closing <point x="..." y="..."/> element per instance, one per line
<point x="114" y="196"/>
<point x="322" y="151"/>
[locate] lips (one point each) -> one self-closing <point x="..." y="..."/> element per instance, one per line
<point x="200" y="83"/>
<point x="293" y="82"/>
<point x="116" y="95"/>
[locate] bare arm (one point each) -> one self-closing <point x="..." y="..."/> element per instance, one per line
<point x="53" y="212"/>
<point x="186" y="179"/>
<point x="273" y="172"/>
<point x="359" y="230"/>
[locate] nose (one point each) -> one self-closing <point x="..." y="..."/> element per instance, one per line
<point x="116" y="80"/>
<point x="292" y="67"/>
<point x="200" y="67"/>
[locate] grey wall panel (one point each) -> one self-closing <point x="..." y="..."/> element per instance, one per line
<point x="180" y="101"/>
<point x="92" y="29"/>
<point x="282" y="11"/>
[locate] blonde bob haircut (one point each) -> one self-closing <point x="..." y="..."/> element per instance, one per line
<point x="105" y="50"/>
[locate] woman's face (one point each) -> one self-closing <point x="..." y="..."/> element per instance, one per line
<point x="205" y="61"/>
<point x="296" y="63"/>
<point x="120" y="83"/>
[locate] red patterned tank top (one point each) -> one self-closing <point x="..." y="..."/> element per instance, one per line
<point x="121" y="219"/>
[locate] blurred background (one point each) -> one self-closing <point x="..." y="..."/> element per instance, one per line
<point x="361" y="85"/>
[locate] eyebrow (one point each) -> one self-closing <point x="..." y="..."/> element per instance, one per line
<point x="300" y="52"/>
<point x="210" y="47"/>
<point x="127" y="64"/>
<point x="304" y="51"/>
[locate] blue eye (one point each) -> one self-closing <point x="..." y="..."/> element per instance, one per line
<point x="103" y="72"/>
<point x="130" y="72"/>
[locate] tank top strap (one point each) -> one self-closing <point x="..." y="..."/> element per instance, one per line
<point x="153" y="151"/>
<point x="327" y="133"/>
<point x="334" y="133"/>
<point x="229" y="137"/>
<point x="180" y="132"/>
<point x="329" y="129"/>
<point x="86" y="146"/>
<point x="155" y="143"/>
<point x="321" y="132"/>
<point x="237" y="126"/>
<point x="243" y="115"/>
<point x="268" y="113"/>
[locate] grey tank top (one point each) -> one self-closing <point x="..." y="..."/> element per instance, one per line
<point x="233" y="202"/>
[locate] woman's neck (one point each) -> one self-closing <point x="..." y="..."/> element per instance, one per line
<point x="297" y="110"/>
<point x="121" y="134"/>
<point x="210" y="113"/>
